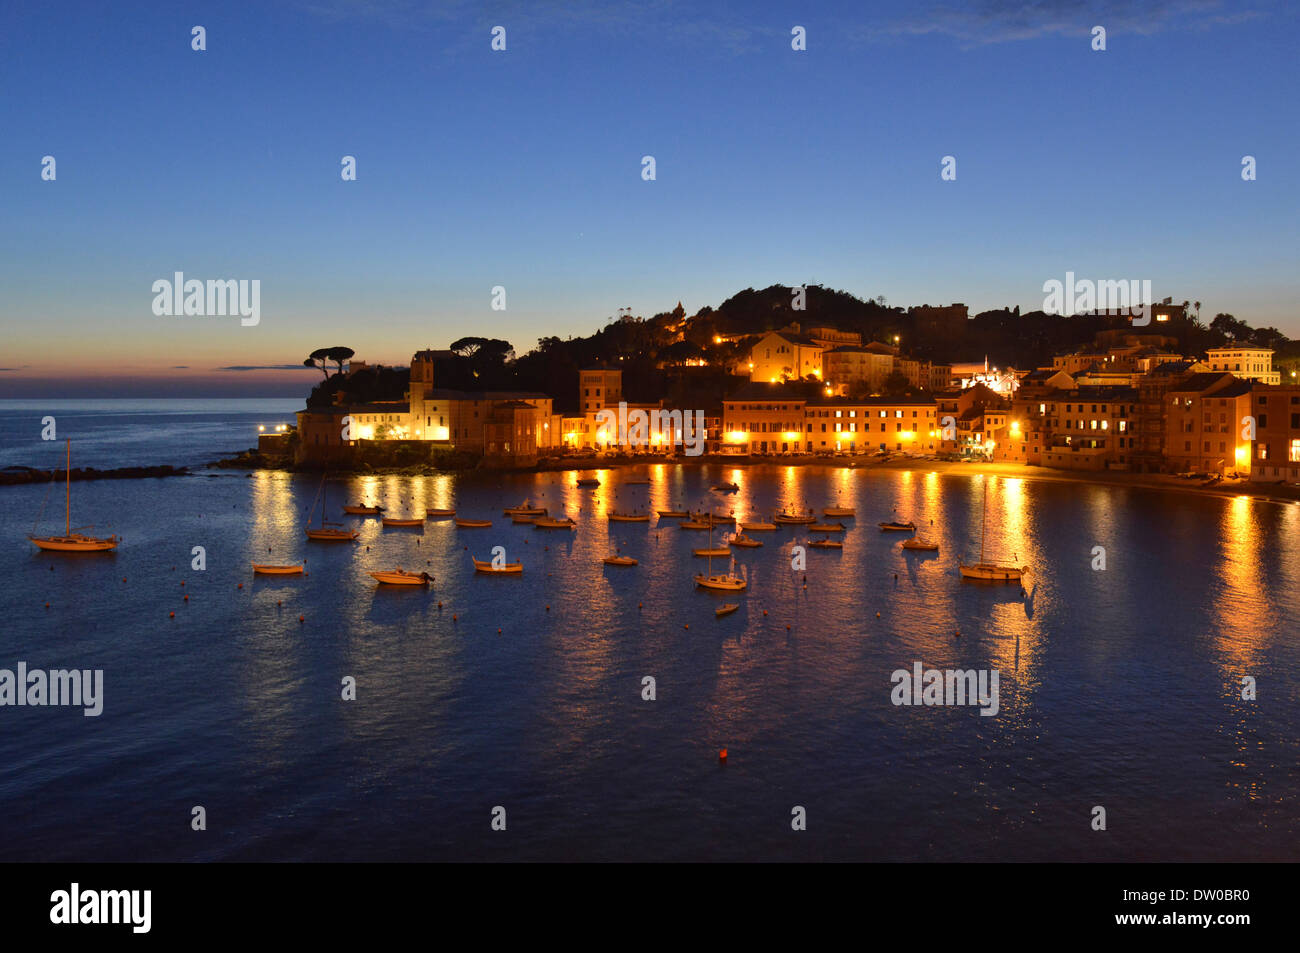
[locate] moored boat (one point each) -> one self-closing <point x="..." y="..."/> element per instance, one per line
<point x="984" y="571"/>
<point x="327" y="532"/>
<point x="920" y="544"/>
<point x="894" y="526"/>
<point x="526" y="508"/>
<point x="402" y="522"/>
<point x="712" y="551"/>
<point x="359" y="509"/>
<point x="71" y="542"/>
<point x="826" y="544"/>
<point x="793" y="518"/>
<point x="439" y="514"/>
<point x="629" y="517"/>
<point x="505" y="569"/>
<point x="826" y="528"/>
<point x="673" y="514"/>
<point x="722" y="583"/>
<point x="550" y="522"/>
<point x="834" y="511"/>
<point x="727" y="609"/>
<point x="758" y="527"/>
<point x="400" y="577"/>
<point x="727" y="487"/>
<point x="740" y="539"/>
<point x="265" y="569"/>
<point x="694" y="524"/>
<point x="619" y="561"/>
<point x="473" y="524"/>
<point x="588" y="481"/>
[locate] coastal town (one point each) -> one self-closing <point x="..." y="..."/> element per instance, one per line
<point x="1131" y="399"/>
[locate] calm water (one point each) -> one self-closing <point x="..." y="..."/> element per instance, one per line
<point x="1118" y="688"/>
<point x="134" y="432"/>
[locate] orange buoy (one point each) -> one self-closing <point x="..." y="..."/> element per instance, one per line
<point x="722" y="755"/>
<point x="240" y="586"/>
<point x="302" y="618"/>
<point x="182" y="582"/>
<point x="877" y="615"/>
<point x="440" y="604"/>
<point x="548" y="608"/>
<point x="686" y="626"/>
<point x="498" y="631"/>
<point x="764" y="612"/>
<point x="47" y="605"/>
<point x="187" y="598"/>
<point x="171" y="615"/>
<point x="453" y="617"/>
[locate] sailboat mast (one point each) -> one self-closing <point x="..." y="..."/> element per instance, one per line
<point x="67" y="495"/>
<point x="984" y="529"/>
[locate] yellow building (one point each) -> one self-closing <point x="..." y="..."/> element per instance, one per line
<point x="784" y="355"/>
<point x="870" y="424"/>
<point x="1244" y="361"/>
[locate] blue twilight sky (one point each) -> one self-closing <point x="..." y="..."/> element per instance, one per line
<point x="522" y="168"/>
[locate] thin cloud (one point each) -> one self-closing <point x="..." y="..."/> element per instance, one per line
<point x="267" y="367"/>
<point x="1004" y="21"/>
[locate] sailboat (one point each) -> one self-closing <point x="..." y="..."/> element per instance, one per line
<point x="71" y="542"/>
<point x="327" y="532"/>
<point x="986" y="571"/>
<point x="727" y="582"/>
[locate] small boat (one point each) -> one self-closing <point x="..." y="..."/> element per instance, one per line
<point x="357" y="509"/>
<point x="990" y="572"/>
<point x="588" y="481"/>
<point x="826" y="544"/>
<point x="757" y="527"/>
<point x="715" y="518"/>
<point x="473" y="524"/>
<point x="71" y="542"/>
<point x="629" y="517"/>
<point x="893" y="526"/>
<point x="619" y="561"/>
<point x="264" y="569"/>
<point x="400" y="577"/>
<point x="439" y="514"/>
<point x="549" y="522"/>
<point x="712" y="551"/>
<point x="839" y="511"/>
<point x="327" y="532"/>
<point x="673" y="514"/>
<point x="525" y="508"/>
<point x="726" y="583"/>
<point x="727" y="487"/>
<point x="826" y="528"/>
<point x="505" y="569"/>
<point x="793" y="518"/>
<point x="740" y="539"/>
<point x="727" y="609"/>
<point x="694" y="524"/>
<point x="919" y="544"/>
<point x="402" y="523"/>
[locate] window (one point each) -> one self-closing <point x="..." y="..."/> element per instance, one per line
<point x="1294" y="455"/>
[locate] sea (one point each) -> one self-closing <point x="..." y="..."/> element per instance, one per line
<point x="1148" y="671"/>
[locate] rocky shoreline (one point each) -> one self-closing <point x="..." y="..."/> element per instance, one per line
<point x="19" y="476"/>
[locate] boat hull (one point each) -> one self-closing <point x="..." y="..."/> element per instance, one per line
<point x="75" y="544"/>
<point x="720" y="583"/>
<point x="508" y="569"/>
<point x="331" y="535"/>
<point x="403" y="524"/>
<point x="619" y="561"/>
<point x="985" y="572"/>
<point x="399" y="578"/>
<point x="439" y="514"/>
<point x="625" y="518"/>
<point x="473" y="524"/>
<point x="264" y="570"/>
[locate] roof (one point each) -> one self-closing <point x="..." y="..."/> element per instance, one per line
<point x="1195" y="383"/>
<point x="874" y="401"/>
<point x="765" y="390"/>
<point x="801" y="339"/>
<point x="445" y="393"/>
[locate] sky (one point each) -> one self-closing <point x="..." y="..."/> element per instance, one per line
<point x="522" y="169"/>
